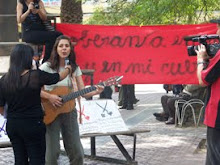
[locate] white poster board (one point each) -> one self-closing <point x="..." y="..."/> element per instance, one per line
<point x="3" y="135"/>
<point x="100" y="116"/>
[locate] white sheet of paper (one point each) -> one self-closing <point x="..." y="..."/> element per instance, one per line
<point x="3" y="134"/>
<point x="100" y="116"/>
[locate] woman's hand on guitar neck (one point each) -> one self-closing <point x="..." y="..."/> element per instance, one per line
<point x="55" y="100"/>
<point x="99" y="89"/>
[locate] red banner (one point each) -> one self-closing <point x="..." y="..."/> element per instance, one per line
<point x="142" y="54"/>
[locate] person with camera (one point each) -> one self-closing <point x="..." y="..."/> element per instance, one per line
<point x="208" y="73"/>
<point x="32" y="14"/>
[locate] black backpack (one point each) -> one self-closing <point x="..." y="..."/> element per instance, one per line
<point x="177" y="88"/>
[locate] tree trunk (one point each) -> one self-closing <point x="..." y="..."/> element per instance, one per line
<point x="71" y="11"/>
<point x="8" y="22"/>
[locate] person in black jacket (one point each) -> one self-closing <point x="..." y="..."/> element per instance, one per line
<point x="20" y="89"/>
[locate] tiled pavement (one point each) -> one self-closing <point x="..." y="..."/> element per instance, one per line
<point x="164" y="145"/>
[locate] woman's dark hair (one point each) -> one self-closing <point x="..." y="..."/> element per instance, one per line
<point x="54" y="58"/>
<point x="20" y="60"/>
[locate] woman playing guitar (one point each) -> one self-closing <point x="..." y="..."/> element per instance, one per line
<point x="65" y="122"/>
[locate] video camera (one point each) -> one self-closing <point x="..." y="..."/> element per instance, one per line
<point x="211" y="49"/>
<point x="36" y="5"/>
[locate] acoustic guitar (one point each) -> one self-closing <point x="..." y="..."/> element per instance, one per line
<point x="68" y="97"/>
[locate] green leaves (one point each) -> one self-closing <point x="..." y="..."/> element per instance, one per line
<point x="151" y="12"/>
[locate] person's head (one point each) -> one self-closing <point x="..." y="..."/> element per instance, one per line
<point x="217" y="21"/>
<point x="218" y="31"/>
<point x="20" y="60"/>
<point x="62" y="49"/>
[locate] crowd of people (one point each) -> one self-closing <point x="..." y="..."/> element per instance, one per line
<point x="34" y="142"/>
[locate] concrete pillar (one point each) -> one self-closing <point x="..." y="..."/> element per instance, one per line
<point x="8" y="22"/>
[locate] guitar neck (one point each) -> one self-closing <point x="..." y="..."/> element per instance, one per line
<point x="84" y="91"/>
<point x="76" y="94"/>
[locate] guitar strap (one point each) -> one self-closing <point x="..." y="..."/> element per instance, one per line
<point x="80" y="109"/>
<point x="78" y="98"/>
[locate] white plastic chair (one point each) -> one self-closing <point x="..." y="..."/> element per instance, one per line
<point x="188" y="105"/>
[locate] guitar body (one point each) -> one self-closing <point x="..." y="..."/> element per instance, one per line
<point x="50" y="111"/>
<point x="68" y="97"/>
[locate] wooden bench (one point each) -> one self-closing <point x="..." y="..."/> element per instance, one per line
<point x="114" y="136"/>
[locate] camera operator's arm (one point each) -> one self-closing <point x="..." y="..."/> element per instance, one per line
<point x="208" y="73"/>
<point x="201" y="57"/>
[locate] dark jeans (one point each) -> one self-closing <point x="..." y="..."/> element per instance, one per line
<point x="168" y="103"/>
<point x="121" y="94"/>
<point x="106" y="93"/>
<point x="128" y="94"/>
<point x="28" y="140"/>
<point x="213" y="146"/>
<point x="42" y="37"/>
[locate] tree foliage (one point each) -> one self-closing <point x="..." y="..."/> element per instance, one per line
<point x="151" y="12"/>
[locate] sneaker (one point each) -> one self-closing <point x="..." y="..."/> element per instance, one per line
<point x="170" y="121"/>
<point x="120" y="103"/>
<point x="135" y="101"/>
<point x="157" y="114"/>
<point x="162" y="118"/>
<point x="123" y="107"/>
<point x="130" y="107"/>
